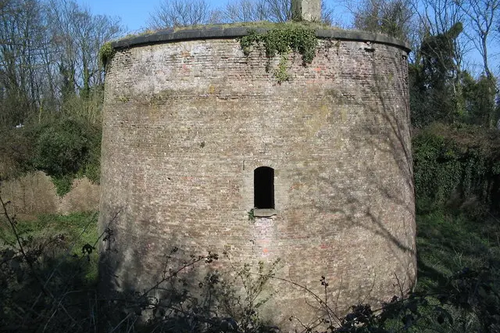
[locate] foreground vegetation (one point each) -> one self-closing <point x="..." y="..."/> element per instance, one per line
<point x="49" y="281"/>
<point x="47" y="266"/>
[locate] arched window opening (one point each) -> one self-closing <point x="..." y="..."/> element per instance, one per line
<point x="264" y="188"/>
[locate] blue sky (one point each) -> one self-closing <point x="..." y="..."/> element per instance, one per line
<point x="134" y="14"/>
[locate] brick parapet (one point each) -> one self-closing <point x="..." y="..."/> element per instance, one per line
<point x="229" y="32"/>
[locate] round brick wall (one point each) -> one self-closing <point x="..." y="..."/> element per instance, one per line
<point x="188" y="119"/>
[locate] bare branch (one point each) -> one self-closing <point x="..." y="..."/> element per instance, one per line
<point x="176" y="13"/>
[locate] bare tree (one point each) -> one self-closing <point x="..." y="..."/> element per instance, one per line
<point x="175" y="13"/>
<point x="172" y="13"/>
<point x="75" y="40"/>
<point x="392" y="17"/>
<point x="278" y="10"/>
<point x="21" y="42"/>
<point x="77" y="36"/>
<point x="327" y="14"/>
<point x="481" y="19"/>
<point x="245" y="11"/>
<point x="48" y="52"/>
<point x="439" y="16"/>
<point x="281" y="11"/>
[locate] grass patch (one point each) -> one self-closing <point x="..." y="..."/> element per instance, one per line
<point x="449" y="243"/>
<point x="459" y="268"/>
<point x="48" y="273"/>
<point x="58" y="238"/>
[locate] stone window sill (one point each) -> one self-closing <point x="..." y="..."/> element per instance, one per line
<point x="267" y="212"/>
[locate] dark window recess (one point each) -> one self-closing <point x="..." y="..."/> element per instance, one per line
<point x="264" y="188"/>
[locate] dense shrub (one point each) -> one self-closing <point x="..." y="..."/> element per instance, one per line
<point x="15" y="152"/>
<point x="457" y="166"/>
<point x="65" y="149"/>
<point x="47" y="285"/>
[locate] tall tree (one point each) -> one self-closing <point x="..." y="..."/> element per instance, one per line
<point x="278" y="10"/>
<point x="20" y="30"/>
<point x="479" y="99"/>
<point x="76" y="38"/>
<point x="436" y="17"/>
<point x="481" y="17"/>
<point x="391" y="17"/>
<point x="244" y="11"/>
<point x="48" y="54"/>
<point x="175" y="13"/>
<point x="268" y="10"/>
<point x="432" y="94"/>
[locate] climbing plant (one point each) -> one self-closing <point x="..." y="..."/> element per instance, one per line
<point x="282" y="40"/>
<point x="455" y="165"/>
<point x="106" y="53"/>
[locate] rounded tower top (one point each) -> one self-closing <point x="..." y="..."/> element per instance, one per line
<point x="224" y="31"/>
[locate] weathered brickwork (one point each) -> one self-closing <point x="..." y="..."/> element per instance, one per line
<point x="187" y="122"/>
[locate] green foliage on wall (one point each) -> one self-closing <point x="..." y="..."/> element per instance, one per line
<point x="282" y="40"/>
<point x="457" y="165"/>
<point x="106" y="53"/>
